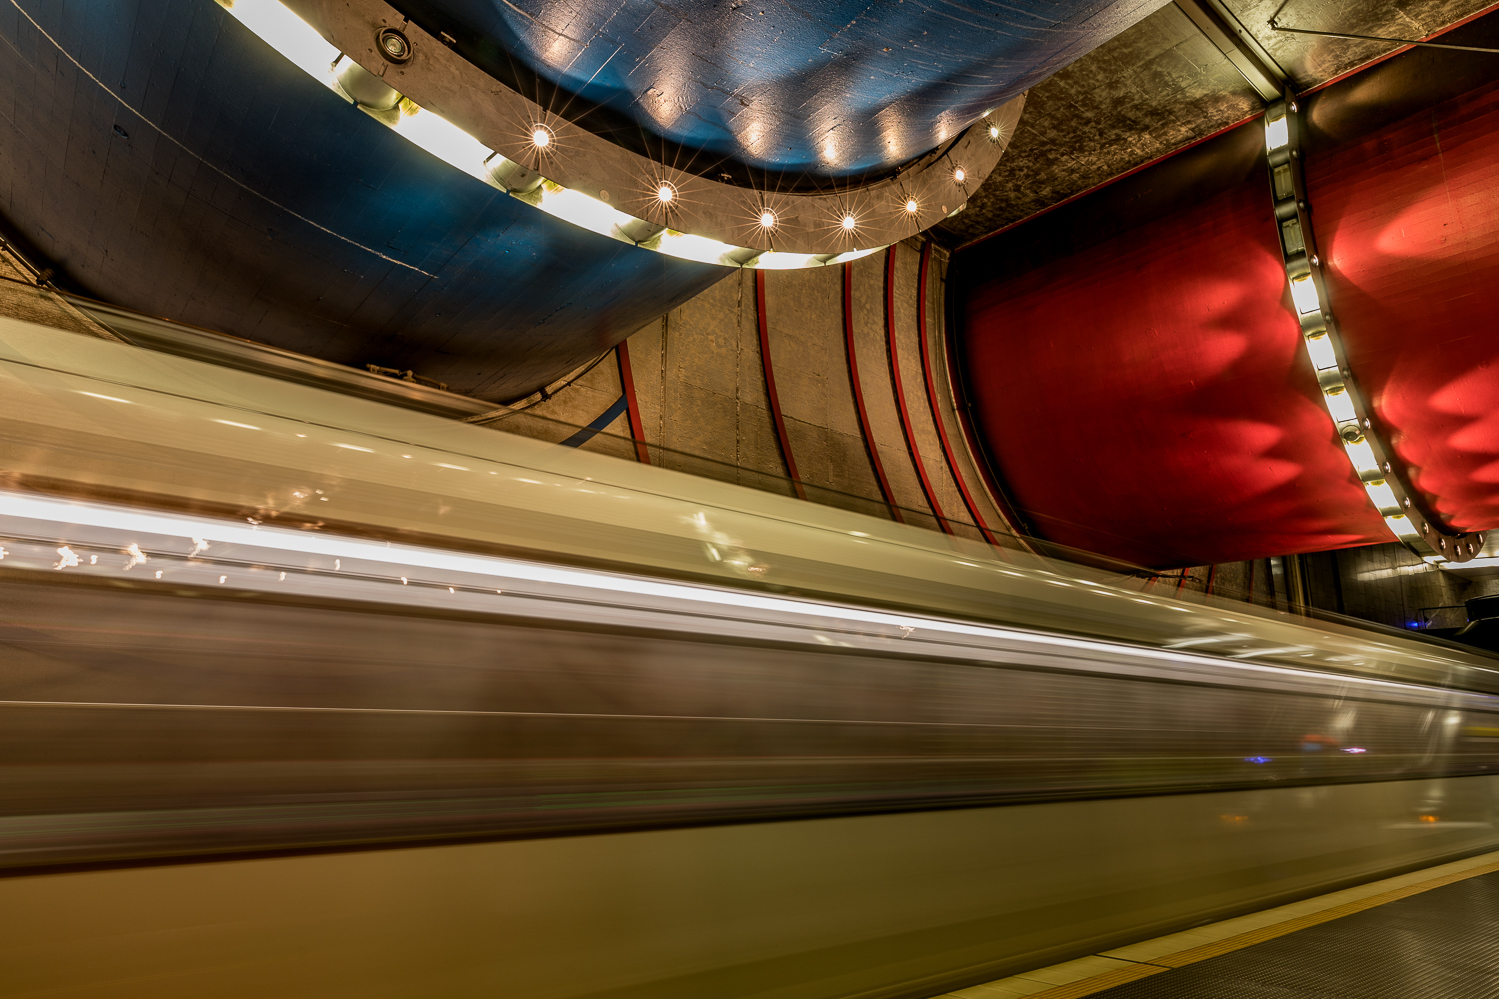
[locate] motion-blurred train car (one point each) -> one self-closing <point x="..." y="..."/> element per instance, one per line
<point x="309" y="694"/>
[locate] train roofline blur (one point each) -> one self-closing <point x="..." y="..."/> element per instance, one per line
<point x="108" y="420"/>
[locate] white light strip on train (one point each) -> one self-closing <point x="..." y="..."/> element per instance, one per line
<point x="280" y="28"/>
<point x="199" y="533"/>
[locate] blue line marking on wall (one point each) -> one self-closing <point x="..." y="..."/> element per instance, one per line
<point x="608" y="416"/>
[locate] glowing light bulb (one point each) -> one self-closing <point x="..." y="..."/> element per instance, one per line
<point x="1277" y="133"/>
<point x="1401" y="526"/>
<point x="850" y="223"/>
<point x="665" y="194"/>
<point x="541" y="137"/>
<point x="1340" y="405"/>
<point x="767" y="219"/>
<point x="911" y="205"/>
<point x="993" y="131"/>
<point x="1320" y="348"/>
<point x="959" y="175"/>
<point x="1383" y="496"/>
<point x="1304" y="294"/>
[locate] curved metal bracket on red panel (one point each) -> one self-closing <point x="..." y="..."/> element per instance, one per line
<point x="1373" y="460"/>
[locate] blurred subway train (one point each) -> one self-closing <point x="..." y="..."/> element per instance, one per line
<point x="310" y="695"/>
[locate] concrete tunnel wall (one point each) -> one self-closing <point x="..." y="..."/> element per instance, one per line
<point x="700" y="385"/>
<point x="701" y="390"/>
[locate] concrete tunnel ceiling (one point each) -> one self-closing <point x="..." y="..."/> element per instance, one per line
<point x="163" y="157"/>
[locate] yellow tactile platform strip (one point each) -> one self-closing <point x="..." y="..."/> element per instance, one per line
<point x="1090" y="975"/>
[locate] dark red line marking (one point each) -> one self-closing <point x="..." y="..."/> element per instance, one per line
<point x="931" y="398"/>
<point x="900" y="391"/>
<point x="627" y="382"/>
<point x="770" y="386"/>
<point x="853" y="377"/>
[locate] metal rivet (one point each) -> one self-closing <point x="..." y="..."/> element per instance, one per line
<point x="1366" y="423"/>
<point x="1387" y="468"/>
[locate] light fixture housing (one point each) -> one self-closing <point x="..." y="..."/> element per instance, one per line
<point x="1374" y="462"/>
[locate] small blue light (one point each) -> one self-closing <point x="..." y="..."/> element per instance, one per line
<point x="1258" y="759"/>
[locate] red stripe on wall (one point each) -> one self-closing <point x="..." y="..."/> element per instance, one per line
<point x="770" y="386"/>
<point x="900" y="391"/>
<point x="627" y="382"/>
<point x="931" y="396"/>
<point x="853" y="377"/>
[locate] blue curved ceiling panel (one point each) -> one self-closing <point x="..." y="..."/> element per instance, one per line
<point x="164" y="158"/>
<point x="802" y="88"/>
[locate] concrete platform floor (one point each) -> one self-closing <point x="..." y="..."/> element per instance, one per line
<point x="1131" y="972"/>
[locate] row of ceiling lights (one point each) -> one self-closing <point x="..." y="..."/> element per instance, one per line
<point x="277" y="25"/>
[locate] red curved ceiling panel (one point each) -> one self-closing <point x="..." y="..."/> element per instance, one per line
<point x="1148" y="397"/>
<point x="1409" y="222"/>
<point x="1135" y="374"/>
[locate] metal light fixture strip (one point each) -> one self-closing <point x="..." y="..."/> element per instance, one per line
<point x="439" y="80"/>
<point x="1372" y="458"/>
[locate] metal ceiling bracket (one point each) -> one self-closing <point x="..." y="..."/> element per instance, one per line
<point x="1240" y="47"/>
<point x="1374" y="461"/>
<point x="1275" y="25"/>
